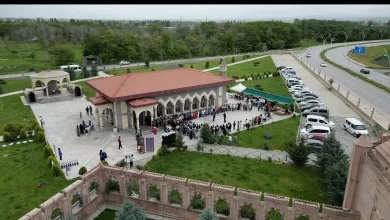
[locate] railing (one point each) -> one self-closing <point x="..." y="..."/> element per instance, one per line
<point x="357" y="102"/>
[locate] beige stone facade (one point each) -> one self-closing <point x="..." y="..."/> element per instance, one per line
<point x="91" y="198"/>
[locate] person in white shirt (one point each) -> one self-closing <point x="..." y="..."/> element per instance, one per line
<point x="230" y="139"/>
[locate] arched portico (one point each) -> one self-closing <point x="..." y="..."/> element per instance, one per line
<point x="51" y="80"/>
<point x="144" y="110"/>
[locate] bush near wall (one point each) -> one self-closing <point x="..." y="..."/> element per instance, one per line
<point x="383" y="87"/>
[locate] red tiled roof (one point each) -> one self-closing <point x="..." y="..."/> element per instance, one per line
<point x="149" y="84"/>
<point x="142" y="102"/>
<point x="98" y="100"/>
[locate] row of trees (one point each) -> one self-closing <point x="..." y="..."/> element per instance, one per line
<point x="342" y="31"/>
<point x="333" y="162"/>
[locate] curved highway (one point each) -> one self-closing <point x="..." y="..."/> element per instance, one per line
<point x="337" y="55"/>
<point x="374" y="96"/>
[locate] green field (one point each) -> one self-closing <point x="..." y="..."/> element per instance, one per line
<point x="371" y="54"/>
<point x="288" y="180"/>
<point x="12" y="110"/>
<point x="21" y="62"/>
<point x="22" y="168"/>
<point x="246" y="69"/>
<point x="282" y="132"/>
<point x="305" y="43"/>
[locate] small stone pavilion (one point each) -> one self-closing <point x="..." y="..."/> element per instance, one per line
<point x="131" y="100"/>
<point x="51" y="82"/>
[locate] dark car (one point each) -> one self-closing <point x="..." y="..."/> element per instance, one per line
<point x="365" y="71"/>
<point x="306" y="107"/>
<point x="280" y="67"/>
<point x="300" y="96"/>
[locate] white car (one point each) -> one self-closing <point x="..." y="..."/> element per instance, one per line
<point x="310" y="102"/>
<point x="315" y="129"/>
<point x="124" y="62"/>
<point x="355" y="127"/>
<point x="323" y="64"/>
<point x="312" y="120"/>
<point x="308" y="55"/>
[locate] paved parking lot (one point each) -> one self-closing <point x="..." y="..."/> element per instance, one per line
<point x="338" y="110"/>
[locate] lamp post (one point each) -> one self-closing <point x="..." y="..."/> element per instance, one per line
<point x="42" y="122"/>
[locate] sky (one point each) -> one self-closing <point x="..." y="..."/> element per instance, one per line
<point x="194" y="12"/>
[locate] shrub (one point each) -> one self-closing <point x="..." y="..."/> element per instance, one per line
<point x="94" y="185"/>
<point x="179" y="141"/>
<point x="139" y="167"/>
<point x="299" y="154"/>
<point x="6" y="136"/>
<point x="104" y="162"/>
<point x="207" y="65"/>
<point x="112" y="185"/>
<point x="243" y="57"/>
<point x="246" y="78"/>
<point x="219" y="139"/>
<point x="206" y="134"/>
<point x="41" y="137"/>
<point x="233" y="59"/>
<point x="57" y="171"/>
<point x="248" y="56"/>
<point x="47" y="151"/>
<point x="13" y="129"/>
<point x="235" y="77"/>
<point x="22" y="134"/>
<point x="266" y="146"/>
<point x="51" y="160"/>
<point x="82" y="171"/>
<point x="268" y="135"/>
<point x="128" y="71"/>
<point x="162" y="151"/>
<point x="180" y="65"/>
<point x="191" y="66"/>
<point x="199" y="147"/>
<point x="147" y="63"/>
<point x="185" y="147"/>
<point x="211" y="150"/>
<point x="121" y="163"/>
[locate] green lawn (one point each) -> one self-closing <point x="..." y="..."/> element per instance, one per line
<point x="87" y="91"/>
<point x="22" y="168"/>
<point x="196" y="65"/>
<point x="13" y="110"/>
<point x="371" y="54"/>
<point x="274" y="85"/>
<point x="281" y="131"/>
<point x="288" y="180"/>
<point x="21" y="62"/>
<point x="246" y="69"/>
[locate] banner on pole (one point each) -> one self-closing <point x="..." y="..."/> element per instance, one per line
<point x="149" y="144"/>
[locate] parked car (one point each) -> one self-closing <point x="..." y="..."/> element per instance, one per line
<point x="124" y="62"/>
<point x="308" y="55"/>
<point x="315" y="129"/>
<point x="321" y="111"/>
<point x="365" y="71"/>
<point x="316" y="145"/>
<point x="308" y="102"/>
<point x="355" y="127"/>
<point x="304" y="94"/>
<point x="314" y="136"/>
<point x="280" y="68"/>
<point x="312" y="120"/>
<point x="323" y="64"/>
<point x="306" y="107"/>
<point x="305" y="99"/>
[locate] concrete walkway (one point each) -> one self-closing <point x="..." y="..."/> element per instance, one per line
<point x="100" y="75"/>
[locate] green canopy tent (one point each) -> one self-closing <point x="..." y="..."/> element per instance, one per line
<point x="269" y="96"/>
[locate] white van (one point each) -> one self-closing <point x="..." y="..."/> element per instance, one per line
<point x="318" y="120"/>
<point x="355" y="127"/>
<point x="75" y="68"/>
<point x="315" y="129"/>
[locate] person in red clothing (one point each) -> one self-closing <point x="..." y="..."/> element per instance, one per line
<point x="154" y="130"/>
<point x="120" y="143"/>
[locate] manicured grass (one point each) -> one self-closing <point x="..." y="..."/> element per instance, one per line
<point x="288" y="180"/>
<point x="87" y="91"/>
<point x="196" y="65"/>
<point x="22" y="168"/>
<point x="12" y="110"/>
<point x="371" y="54"/>
<point x="282" y="132"/>
<point x="16" y="84"/>
<point x="21" y="62"/>
<point x="107" y="214"/>
<point x="246" y="69"/>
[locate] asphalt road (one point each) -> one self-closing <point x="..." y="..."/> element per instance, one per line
<point x="337" y="55"/>
<point x="377" y="98"/>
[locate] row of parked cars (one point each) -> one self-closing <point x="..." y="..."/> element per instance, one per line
<point x="317" y="123"/>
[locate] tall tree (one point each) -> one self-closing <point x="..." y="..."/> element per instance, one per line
<point x="129" y="211"/>
<point x="299" y="154"/>
<point x="335" y="180"/>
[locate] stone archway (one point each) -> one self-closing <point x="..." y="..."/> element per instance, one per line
<point x="211" y="100"/>
<point x="179" y="107"/>
<point x="57" y="214"/>
<point x="160" y="110"/>
<point x="145" y="118"/>
<point x="203" y="102"/>
<point x="31" y="97"/>
<point x="39" y="83"/>
<point x="170" y="108"/>
<point x="195" y="103"/>
<point x="52" y="87"/>
<point x="187" y="105"/>
<point x="77" y="91"/>
<point x="248" y="212"/>
<point x="274" y="214"/>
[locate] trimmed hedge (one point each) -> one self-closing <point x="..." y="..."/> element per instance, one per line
<point x="47" y="151"/>
<point x="383" y="87"/>
<point x="82" y="171"/>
